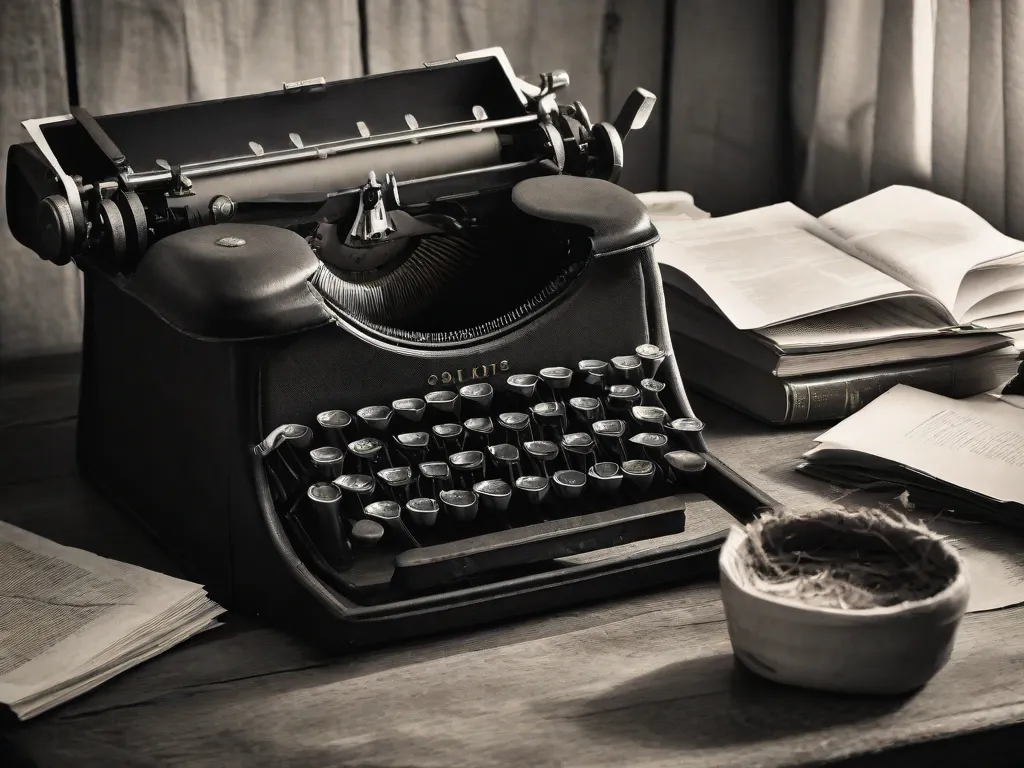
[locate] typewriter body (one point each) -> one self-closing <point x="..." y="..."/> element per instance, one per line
<point x="381" y="357"/>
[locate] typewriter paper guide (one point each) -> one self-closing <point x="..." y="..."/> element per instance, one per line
<point x="214" y="130"/>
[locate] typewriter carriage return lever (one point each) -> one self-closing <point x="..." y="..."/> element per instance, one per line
<point x="378" y="368"/>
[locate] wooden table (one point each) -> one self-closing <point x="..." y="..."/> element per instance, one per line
<point x="641" y="682"/>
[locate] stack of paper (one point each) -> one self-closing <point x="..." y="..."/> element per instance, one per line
<point x="71" y="620"/>
<point x="962" y="455"/>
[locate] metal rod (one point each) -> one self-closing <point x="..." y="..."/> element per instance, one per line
<point x="216" y="167"/>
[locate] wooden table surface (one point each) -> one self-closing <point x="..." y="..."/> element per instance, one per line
<point x="643" y="681"/>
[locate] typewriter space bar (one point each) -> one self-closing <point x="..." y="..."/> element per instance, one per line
<point x="434" y="566"/>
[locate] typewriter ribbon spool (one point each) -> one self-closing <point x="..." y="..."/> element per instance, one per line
<point x="288" y="293"/>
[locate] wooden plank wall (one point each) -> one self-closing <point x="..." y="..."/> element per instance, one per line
<point x="133" y="54"/>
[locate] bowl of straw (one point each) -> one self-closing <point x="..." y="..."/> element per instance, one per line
<point x="843" y="600"/>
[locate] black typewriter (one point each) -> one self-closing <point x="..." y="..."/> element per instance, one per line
<point x="380" y="357"/>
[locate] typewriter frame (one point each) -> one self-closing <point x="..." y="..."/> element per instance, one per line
<point x="211" y="508"/>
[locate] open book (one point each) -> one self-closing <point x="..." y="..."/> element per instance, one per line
<point x="899" y="263"/>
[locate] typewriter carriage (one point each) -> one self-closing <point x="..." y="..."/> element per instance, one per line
<point x="489" y="238"/>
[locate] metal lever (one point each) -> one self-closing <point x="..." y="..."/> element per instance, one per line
<point x="635" y="112"/>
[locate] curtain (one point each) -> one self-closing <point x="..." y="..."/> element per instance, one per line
<point x="928" y="93"/>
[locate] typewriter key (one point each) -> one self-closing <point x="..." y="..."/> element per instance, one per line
<point x="648" y="417"/>
<point x="398" y="480"/>
<point x="578" y="449"/>
<point x="686" y="464"/>
<point x="327" y="461"/>
<point x="359" y="487"/>
<point x="423" y="511"/>
<point x="443" y="403"/>
<point x="477" y="397"/>
<point x="569" y="483"/>
<point x="684" y="432"/>
<point x="367" y="532"/>
<point x="523" y="386"/>
<point x="650" y="393"/>
<point x="449" y="437"/>
<point x="375" y="419"/>
<point x="437" y="473"/>
<point x="609" y="434"/>
<point x="543" y="453"/>
<point x="478" y="433"/>
<point x="370" y="452"/>
<point x="628" y="369"/>
<point x="410" y="409"/>
<point x="594" y="375"/>
<point x="389" y="514"/>
<point x="654" y="445"/>
<point x="460" y="505"/>
<point x="533" y="488"/>
<point x="333" y="425"/>
<point x="639" y="473"/>
<point x="622" y="397"/>
<point x="651" y="357"/>
<point x="505" y="458"/>
<point x="605" y="476"/>
<point x="587" y="410"/>
<point x="550" y="419"/>
<point x="284" y="441"/>
<point x="494" y="495"/>
<point x="467" y="467"/>
<point x="557" y="378"/>
<point x="325" y="500"/>
<point x="414" y="446"/>
<point x="518" y="427"/>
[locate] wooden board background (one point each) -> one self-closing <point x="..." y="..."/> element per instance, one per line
<point x="720" y="90"/>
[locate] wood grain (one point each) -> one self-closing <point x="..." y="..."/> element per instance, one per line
<point x="646" y="681"/>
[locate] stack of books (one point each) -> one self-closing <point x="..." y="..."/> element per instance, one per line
<point x="796" y="319"/>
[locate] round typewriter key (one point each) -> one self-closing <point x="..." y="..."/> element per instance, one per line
<point x="594" y="375"/>
<point x="410" y="408"/>
<point x="375" y="418"/>
<point x="478" y="396"/>
<point x="366" y="447"/>
<point x="518" y="426"/>
<point x="654" y="444"/>
<point x="493" y="494"/>
<point x="297" y="434"/>
<point x="389" y="514"/>
<point x="437" y="474"/>
<point x="686" y="463"/>
<point x="333" y="424"/>
<point x="605" y="476"/>
<point x="650" y="393"/>
<point x="651" y="357"/>
<point x="398" y="480"/>
<point x="685" y="432"/>
<point x="622" y="397"/>
<point x="639" y="473"/>
<point x="359" y="487"/>
<point x="550" y="417"/>
<point x="413" y="445"/>
<point x="533" y="488"/>
<point x="568" y="483"/>
<point x="586" y="409"/>
<point x="443" y="401"/>
<point x="367" y="532"/>
<point x="327" y="461"/>
<point x="577" y="447"/>
<point x="460" y="505"/>
<point x="557" y="377"/>
<point x="325" y="500"/>
<point x="467" y="467"/>
<point x="423" y="511"/>
<point x="649" y="417"/>
<point x="448" y="437"/>
<point x="523" y="385"/>
<point x="628" y="368"/>
<point x="543" y="452"/>
<point x="505" y="458"/>
<point x="609" y="434"/>
<point x="478" y="432"/>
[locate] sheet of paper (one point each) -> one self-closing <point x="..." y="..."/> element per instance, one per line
<point x="926" y="241"/>
<point x="975" y="444"/>
<point x="769" y="265"/>
<point x="671" y="205"/>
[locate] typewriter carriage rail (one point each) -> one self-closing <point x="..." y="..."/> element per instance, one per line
<point x="177" y="275"/>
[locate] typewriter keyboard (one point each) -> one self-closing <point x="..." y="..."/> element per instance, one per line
<point x="486" y="481"/>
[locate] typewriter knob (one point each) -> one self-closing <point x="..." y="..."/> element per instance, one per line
<point x="606" y="151"/>
<point x="56" y="225"/>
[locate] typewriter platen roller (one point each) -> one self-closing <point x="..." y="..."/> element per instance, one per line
<point x="379" y="357"/>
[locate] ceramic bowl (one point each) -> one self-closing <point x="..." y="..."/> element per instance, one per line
<point x="886" y="650"/>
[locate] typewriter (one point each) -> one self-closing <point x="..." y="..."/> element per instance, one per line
<point x="380" y="357"/>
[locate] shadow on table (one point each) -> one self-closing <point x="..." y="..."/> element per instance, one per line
<point x="713" y="701"/>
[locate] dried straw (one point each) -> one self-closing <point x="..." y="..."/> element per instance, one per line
<point x="850" y="559"/>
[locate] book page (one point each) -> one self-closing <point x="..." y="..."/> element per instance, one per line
<point x="926" y="241"/>
<point x="769" y="265"/>
<point x="975" y="444"/>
